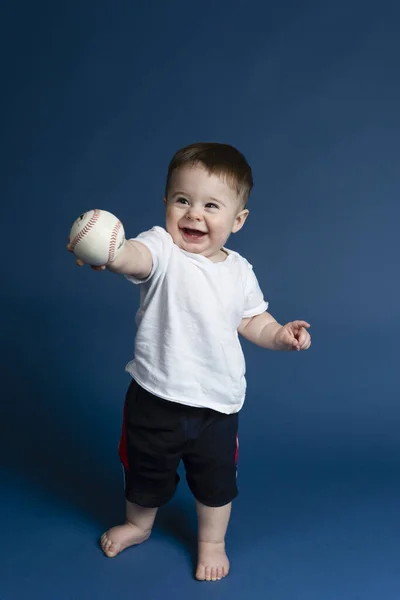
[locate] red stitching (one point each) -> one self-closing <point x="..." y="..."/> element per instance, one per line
<point x="92" y="221"/>
<point x="113" y="241"/>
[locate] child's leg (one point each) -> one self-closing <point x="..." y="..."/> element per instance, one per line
<point x="210" y="462"/>
<point x="150" y="458"/>
<point x="137" y="529"/>
<point x="213" y="563"/>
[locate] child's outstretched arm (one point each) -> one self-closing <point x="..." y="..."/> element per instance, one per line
<point x="264" y="331"/>
<point x="134" y="259"/>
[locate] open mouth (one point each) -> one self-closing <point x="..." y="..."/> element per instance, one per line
<point x="193" y="234"/>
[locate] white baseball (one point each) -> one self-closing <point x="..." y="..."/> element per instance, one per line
<point x="97" y="237"/>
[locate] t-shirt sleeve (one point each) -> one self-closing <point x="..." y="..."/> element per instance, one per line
<point x="255" y="303"/>
<point x="159" y="242"/>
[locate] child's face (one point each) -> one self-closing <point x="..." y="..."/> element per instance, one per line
<point x="202" y="211"/>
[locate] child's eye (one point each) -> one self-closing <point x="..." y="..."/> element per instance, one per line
<point x="211" y="205"/>
<point x="181" y="200"/>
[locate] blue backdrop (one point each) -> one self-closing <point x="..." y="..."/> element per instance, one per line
<point x="96" y="97"/>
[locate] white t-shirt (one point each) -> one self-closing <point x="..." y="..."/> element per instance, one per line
<point x="187" y="347"/>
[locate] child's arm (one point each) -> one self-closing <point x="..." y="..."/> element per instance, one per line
<point x="134" y="259"/>
<point x="264" y="331"/>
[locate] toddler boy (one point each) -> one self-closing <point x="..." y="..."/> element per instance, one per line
<point x="188" y="372"/>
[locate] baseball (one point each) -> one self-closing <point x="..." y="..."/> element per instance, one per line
<point x="97" y="237"/>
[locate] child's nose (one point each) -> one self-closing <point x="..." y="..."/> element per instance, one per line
<point x="194" y="213"/>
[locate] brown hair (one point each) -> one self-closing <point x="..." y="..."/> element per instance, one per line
<point x="217" y="159"/>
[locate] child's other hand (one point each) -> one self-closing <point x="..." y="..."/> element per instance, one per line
<point x="80" y="262"/>
<point x="293" y="336"/>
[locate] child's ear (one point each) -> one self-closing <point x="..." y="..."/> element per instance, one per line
<point x="165" y="200"/>
<point x="240" y="220"/>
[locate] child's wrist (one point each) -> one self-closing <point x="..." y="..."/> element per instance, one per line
<point x="276" y="344"/>
<point x="269" y="334"/>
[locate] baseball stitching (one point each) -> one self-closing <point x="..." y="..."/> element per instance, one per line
<point x="92" y="221"/>
<point x="113" y="241"/>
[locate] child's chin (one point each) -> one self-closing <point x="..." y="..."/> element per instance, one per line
<point x="192" y="248"/>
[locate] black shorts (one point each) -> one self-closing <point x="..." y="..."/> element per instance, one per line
<point x="157" y="434"/>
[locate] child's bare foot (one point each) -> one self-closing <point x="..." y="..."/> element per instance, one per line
<point x="137" y="529"/>
<point x="119" y="538"/>
<point x="213" y="563"/>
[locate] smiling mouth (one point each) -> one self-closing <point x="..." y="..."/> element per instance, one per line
<point x="193" y="234"/>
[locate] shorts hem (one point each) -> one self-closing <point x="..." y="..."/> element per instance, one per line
<point x="216" y="503"/>
<point x="146" y="501"/>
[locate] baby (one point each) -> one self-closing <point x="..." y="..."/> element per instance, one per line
<point x="188" y="372"/>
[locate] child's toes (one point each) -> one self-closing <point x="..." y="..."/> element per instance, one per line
<point x="107" y="546"/>
<point x="201" y="573"/>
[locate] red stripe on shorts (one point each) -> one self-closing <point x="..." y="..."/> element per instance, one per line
<point x="237" y="450"/>
<point x="123" y="455"/>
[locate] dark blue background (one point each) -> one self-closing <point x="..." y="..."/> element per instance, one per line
<point x="96" y="97"/>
